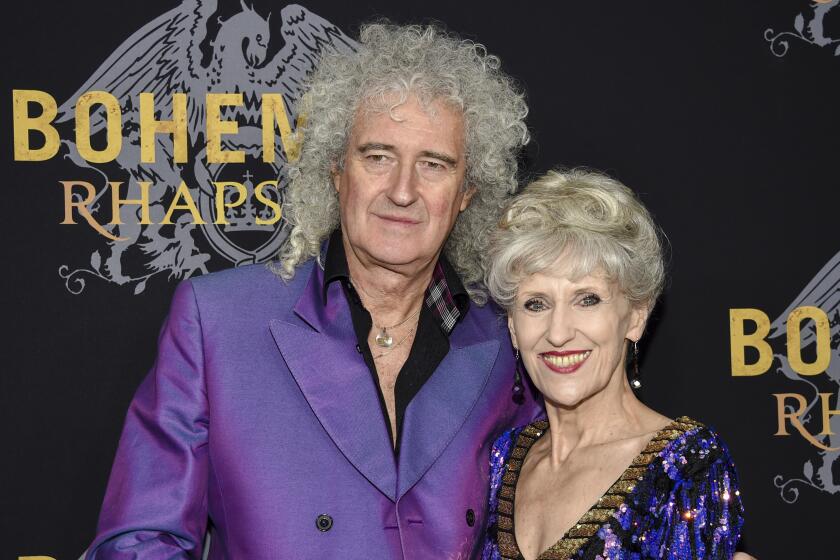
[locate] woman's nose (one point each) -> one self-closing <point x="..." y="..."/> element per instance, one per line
<point x="561" y="330"/>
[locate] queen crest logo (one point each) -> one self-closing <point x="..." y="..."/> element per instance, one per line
<point x="803" y="345"/>
<point x="243" y="217"/>
<point x="174" y="151"/>
<point x="812" y="27"/>
<point x="815" y="411"/>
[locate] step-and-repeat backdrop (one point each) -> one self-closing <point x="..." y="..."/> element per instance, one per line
<point x="725" y="116"/>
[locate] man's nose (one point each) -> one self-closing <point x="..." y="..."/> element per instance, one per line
<point x="403" y="188"/>
<point x="561" y="330"/>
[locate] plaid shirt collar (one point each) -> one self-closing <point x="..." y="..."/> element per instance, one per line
<point x="445" y="296"/>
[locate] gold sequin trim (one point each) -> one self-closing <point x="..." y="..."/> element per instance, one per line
<point x="597" y="514"/>
<point x="622" y="487"/>
<point x="583" y="530"/>
<point x="612" y="501"/>
<point x="658" y="446"/>
<point x="634" y="472"/>
<point x="580" y="533"/>
<point x="563" y="549"/>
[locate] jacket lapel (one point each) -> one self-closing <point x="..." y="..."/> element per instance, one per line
<point x="441" y="407"/>
<point x="318" y="344"/>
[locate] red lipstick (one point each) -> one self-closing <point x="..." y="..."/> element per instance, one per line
<point x="567" y="361"/>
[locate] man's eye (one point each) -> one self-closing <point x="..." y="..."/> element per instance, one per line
<point x="589" y="300"/>
<point x="433" y="165"/>
<point x="535" y="304"/>
<point x="377" y="158"/>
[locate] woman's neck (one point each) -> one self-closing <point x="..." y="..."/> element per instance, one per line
<point x="610" y="415"/>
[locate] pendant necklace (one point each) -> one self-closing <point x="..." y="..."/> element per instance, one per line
<point x="384" y="339"/>
<point x="389" y="350"/>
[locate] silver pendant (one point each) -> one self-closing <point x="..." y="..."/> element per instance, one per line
<point x="384" y="339"/>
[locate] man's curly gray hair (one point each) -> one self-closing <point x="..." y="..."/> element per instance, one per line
<point x="431" y="64"/>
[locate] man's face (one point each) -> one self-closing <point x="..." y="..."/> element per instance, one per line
<point x="400" y="188"/>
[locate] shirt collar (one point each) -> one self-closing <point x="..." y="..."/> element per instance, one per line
<point x="445" y="296"/>
<point x="335" y="261"/>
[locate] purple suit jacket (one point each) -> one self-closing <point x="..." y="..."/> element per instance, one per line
<point x="259" y="416"/>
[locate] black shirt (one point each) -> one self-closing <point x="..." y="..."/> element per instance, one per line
<point x="445" y="303"/>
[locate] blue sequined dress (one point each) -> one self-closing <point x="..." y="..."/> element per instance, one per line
<point x="678" y="500"/>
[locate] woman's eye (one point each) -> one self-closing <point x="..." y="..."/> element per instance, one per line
<point x="589" y="300"/>
<point x="535" y="304"/>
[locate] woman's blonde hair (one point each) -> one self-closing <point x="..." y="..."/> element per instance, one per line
<point x="592" y="221"/>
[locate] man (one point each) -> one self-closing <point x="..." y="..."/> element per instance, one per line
<point x="345" y="410"/>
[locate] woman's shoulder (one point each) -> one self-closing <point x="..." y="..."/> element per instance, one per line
<point x="504" y="444"/>
<point x="690" y="492"/>
<point x="692" y="450"/>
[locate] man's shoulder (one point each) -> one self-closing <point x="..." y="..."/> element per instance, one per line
<point x="488" y="309"/>
<point x="261" y="273"/>
<point x="255" y="284"/>
<point x="488" y="319"/>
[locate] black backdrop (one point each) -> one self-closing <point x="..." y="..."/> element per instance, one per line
<point x="733" y="147"/>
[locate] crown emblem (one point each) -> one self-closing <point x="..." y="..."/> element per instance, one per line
<point x="244" y="217"/>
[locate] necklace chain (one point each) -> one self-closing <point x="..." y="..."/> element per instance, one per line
<point x="385" y="340"/>
<point x="394" y="347"/>
<point x="404" y="321"/>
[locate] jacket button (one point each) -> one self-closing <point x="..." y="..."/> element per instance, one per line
<point x="470" y="517"/>
<point x="324" y="522"/>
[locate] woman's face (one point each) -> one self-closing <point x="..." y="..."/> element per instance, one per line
<point x="571" y="334"/>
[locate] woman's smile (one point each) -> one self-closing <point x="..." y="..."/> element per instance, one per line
<point x="567" y="361"/>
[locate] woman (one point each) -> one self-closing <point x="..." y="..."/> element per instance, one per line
<point x="577" y="263"/>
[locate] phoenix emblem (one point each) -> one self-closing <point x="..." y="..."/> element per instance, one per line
<point x="190" y="49"/>
<point x="823" y="292"/>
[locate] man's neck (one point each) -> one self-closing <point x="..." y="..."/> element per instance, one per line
<point x="389" y="293"/>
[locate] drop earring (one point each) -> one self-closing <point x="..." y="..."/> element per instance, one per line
<point x="518" y="388"/>
<point x="635" y="382"/>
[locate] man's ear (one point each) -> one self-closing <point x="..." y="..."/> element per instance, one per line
<point x="335" y="175"/>
<point x="468" y="195"/>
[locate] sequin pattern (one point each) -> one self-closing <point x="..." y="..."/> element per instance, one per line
<point x="678" y="500"/>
